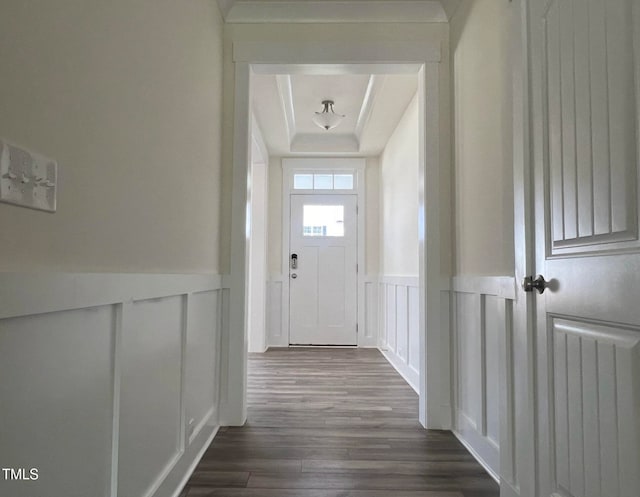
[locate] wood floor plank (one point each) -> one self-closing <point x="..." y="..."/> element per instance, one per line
<point x="369" y="481"/>
<point x="410" y="455"/>
<point x="240" y="453"/>
<point x="334" y="423"/>
<point x="215" y="478"/>
<point x="312" y="492"/>
<point x="252" y="465"/>
<point x="391" y="467"/>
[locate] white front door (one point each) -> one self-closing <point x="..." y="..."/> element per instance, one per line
<point x="323" y="270"/>
<point x="585" y="89"/>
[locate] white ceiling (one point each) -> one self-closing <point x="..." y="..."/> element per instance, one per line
<point x="284" y="105"/>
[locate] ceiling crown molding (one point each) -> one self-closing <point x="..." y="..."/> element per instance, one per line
<point x="289" y="11"/>
<point x="283" y="81"/>
<point x="225" y="7"/>
<point x="373" y="87"/>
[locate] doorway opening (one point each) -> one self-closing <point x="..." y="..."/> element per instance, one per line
<point x="434" y="409"/>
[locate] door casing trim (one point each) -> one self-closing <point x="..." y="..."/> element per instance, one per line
<point x="434" y="209"/>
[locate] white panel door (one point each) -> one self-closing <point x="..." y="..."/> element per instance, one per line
<point x="323" y="283"/>
<point x="585" y="86"/>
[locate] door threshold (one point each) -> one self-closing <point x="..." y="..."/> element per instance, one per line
<point x="309" y="346"/>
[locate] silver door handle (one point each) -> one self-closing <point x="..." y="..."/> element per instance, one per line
<point x="294" y="275"/>
<point x="529" y="284"/>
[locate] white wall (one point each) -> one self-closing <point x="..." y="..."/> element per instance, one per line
<point x="483" y="137"/>
<point x="372" y="216"/>
<point x="274" y="252"/>
<point x="399" y="197"/>
<point x="127" y="97"/>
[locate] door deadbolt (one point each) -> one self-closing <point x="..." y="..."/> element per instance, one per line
<point x="294" y="261"/>
<point x="529" y="284"/>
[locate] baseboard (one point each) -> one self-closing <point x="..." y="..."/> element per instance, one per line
<point x="411" y="377"/>
<point x="179" y="475"/>
<point x="477" y="457"/>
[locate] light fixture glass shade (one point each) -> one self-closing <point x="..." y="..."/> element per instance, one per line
<point x="327" y="119"/>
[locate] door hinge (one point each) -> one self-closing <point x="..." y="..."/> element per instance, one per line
<point x="357" y="269"/>
<point x="356" y="327"/>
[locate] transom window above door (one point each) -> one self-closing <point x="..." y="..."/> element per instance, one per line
<point x="323" y="181"/>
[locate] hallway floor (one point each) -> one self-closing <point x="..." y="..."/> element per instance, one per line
<point x="334" y="423"/>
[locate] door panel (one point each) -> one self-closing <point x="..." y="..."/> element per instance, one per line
<point x="590" y="123"/>
<point x="589" y="372"/>
<point x="323" y="298"/>
<point x="585" y="83"/>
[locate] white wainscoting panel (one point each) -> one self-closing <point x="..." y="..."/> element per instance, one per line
<point x="101" y="375"/>
<point x="201" y="387"/>
<point x="56" y="393"/>
<point x="399" y="331"/>
<point x="276" y="335"/>
<point x="368" y="334"/>
<point x="390" y="311"/>
<point x="150" y="389"/>
<point x="483" y="368"/>
<point x="414" y="323"/>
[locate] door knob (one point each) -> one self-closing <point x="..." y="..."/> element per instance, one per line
<point x="294" y="275"/>
<point x="529" y="284"/>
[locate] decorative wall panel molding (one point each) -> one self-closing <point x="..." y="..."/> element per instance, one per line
<point x="119" y="370"/>
<point x="483" y="370"/>
<point x="399" y="338"/>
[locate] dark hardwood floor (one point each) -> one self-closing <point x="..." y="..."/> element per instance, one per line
<point x="334" y="423"/>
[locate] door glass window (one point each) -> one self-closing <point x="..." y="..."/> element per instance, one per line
<point x="323" y="220"/>
<point x="303" y="181"/>
<point x="323" y="181"/>
<point x="343" y="182"/>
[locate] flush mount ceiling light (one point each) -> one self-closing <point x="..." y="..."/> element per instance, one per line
<point x="327" y="119"/>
